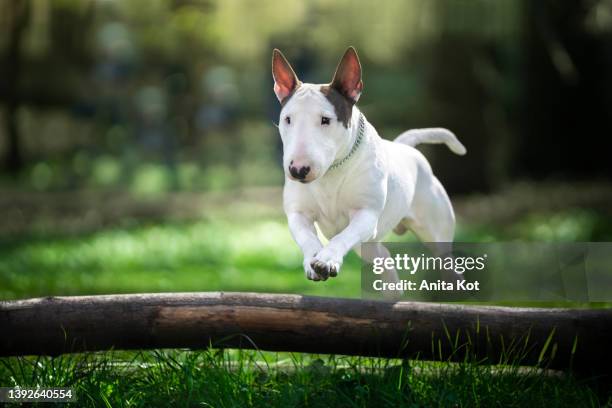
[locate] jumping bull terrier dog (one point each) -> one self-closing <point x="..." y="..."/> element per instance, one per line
<point x="341" y="175"/>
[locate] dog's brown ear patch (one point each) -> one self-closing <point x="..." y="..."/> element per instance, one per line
<point x="285" y="80"/>
<point x="347" y="79"/>
<point x="342" y="105"/>
<point x="344" y="90"/>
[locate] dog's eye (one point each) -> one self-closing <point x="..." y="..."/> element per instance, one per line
<point x="325" y="120"/>
<point x="288" y="120"/>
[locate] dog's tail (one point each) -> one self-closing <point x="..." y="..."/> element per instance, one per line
<point x="415" y="137"/>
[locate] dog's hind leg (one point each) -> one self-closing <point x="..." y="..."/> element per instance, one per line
<point x="433" y="221"/>
<point x="401" y="227"/>
<point x="378" y="250"/>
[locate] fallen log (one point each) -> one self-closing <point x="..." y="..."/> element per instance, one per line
<point x="554" y="338"/>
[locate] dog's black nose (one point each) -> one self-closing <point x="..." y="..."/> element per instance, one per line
<point x="299" y="173"/>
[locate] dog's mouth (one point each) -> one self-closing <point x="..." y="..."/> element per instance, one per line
<point x="302" y="178"/>
<point x="305" y="180"/>
<point x="302" y="181"/>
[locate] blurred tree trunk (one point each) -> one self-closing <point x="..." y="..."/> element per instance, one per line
<point x="18" y="11"/>
<point x="568" y="79"/>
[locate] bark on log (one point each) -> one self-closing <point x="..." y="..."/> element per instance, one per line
<point x="556" y="338"/>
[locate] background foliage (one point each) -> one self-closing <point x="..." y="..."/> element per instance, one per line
<point x="139" y="150"/>
<point x="164" y="95"/>
<point x="138" y="153"/>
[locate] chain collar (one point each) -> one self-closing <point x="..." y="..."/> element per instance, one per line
<point x="360" y="131"/>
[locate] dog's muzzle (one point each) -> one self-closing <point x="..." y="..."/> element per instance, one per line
<point x="299" y="173"/>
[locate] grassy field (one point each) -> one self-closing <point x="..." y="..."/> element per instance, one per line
<point x="237" y="251"/>
<point x="234" y="253"/>
<point x="254" y="379"/>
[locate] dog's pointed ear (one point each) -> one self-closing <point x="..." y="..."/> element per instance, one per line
<point x="347" y="79"/>
<point x="285" y="80"/>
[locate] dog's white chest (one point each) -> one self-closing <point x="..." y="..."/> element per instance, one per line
<point x="332" y="210"/>
<point x="330" y="225"/>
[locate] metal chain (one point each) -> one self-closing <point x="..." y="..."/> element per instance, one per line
<point x="360" y="131"/>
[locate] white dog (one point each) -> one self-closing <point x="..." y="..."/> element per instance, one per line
<point x="341" y="175"/>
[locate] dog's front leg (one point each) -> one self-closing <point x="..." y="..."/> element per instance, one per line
<point x="362" y="227"/>
<point x="304" y="233"/>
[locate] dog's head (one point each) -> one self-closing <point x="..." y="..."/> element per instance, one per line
<point x="315" y="119"/>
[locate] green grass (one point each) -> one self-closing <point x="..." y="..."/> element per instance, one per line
<point x="200" y="256"/>
<point x="217" y="254"/>
<point x="249" y="378"/>
<point x="254" y="254"/>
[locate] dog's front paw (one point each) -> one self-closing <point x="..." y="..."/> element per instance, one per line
<point x="309" y="270"/>
<point x="326" y="264"/>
